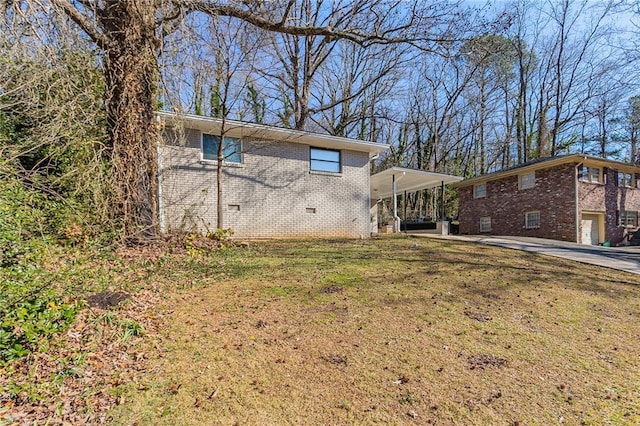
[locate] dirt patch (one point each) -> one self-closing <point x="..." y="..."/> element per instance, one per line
<point x="151" y="252"/>
<point x="483" y="361"/>
<point x="336" y="359"/>
<point x="477" y="315"/>
<point x="107" y="299"/>
<point x="491" y="296"/>
<point x="331" y="289"/>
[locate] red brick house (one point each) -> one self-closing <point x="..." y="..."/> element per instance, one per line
<point x="576" y="198"/>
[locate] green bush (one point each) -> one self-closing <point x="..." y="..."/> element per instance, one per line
<point x="55" y="185"/>
<point x="31" y="310"/>
<point x="31" y="322"/>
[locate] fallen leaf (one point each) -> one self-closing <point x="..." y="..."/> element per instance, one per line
<point x="174" y="388"/>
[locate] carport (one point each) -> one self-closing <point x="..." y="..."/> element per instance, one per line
<point x="389" y="183"/>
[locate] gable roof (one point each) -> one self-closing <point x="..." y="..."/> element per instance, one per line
<point x="547" y="162"/>
<point x="240" y="129"/>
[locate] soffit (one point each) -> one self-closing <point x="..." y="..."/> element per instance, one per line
<point x="240" y="129"/>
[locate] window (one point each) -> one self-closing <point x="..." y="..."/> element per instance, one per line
<point x="485" y="224"/>
<point x="625" y="180"/>
<point x="532" y="220"/>
<point x="628" y="219"/>
<point x="325" y="160"/>
<point x="480" y="190"/>
<point x="527" y="180"/>
<point x="591" y="174"/>
<point x="231" y="149"/>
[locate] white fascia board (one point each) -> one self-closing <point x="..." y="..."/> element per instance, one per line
<point x="239" y="129"/>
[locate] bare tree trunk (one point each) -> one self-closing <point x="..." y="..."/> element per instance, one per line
<point x="219" y="177"/>
<point x="521" y="112"/>
<point x="131" y="78"/>
<point x="302" y="113"/>
<point x="542" y="147"/>
<point x="483" y="117"/>
<point x="634" y="128"/>
<point x="602" y="123"/>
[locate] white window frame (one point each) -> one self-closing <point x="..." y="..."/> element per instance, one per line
<point x="226" y="138"/>
<point x="480" y="190"/>
<point x="532" y="220"/>
<point x="591" y="174"/>
<point x="527" y="180"/>
<point x="628" y="218"/>
<point x="625" y="180"/>
<point x="485" y="224"/>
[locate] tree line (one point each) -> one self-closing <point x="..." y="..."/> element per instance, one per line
<point x="454" y="87"/>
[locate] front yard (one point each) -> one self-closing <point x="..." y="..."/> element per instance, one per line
<point x="381" y="331"/>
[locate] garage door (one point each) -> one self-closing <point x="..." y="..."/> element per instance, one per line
<point x="590" y="229"/>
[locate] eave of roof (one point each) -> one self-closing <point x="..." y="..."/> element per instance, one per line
<point x="546" y="163"/>
<point x="239" y="129"/>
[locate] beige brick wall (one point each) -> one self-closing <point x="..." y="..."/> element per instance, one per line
<point x="273" y="187"/>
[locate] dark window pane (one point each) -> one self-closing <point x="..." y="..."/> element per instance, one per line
<point x="231" y="148"/>
<point x="210" y="147"/>
<point x="232" y="152"/>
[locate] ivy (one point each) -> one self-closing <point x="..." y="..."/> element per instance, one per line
<point x="30" y="323"/>
<point x="32" y="310"/>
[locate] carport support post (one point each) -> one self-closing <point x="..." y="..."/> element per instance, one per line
<point x="404" y="207"/>
<point x="442" y="201"/>
<point x="395" y="204"/>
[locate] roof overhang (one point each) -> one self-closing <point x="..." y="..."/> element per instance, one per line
<point x="408" y="180"/>
<point x="240" y="129"/>
<point x="551" y="162"/>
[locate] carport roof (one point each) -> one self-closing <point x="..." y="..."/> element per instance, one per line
<point x="409" y="180"/>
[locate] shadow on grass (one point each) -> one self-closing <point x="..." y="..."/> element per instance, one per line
<point x="505" y="269"/>
<point x="398" y="260"/>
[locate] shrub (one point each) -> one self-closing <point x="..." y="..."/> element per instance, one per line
<point x="28" y="323"/>
<point x="31" y="310"/>
<point x="55" y="183"/>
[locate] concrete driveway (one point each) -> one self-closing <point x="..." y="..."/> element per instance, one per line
<point x="620" y="258"/>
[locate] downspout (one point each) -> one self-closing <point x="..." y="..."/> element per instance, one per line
<point x="576" y="201"/>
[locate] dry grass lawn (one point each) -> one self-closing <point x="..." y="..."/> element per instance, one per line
<point x="376" y="332"/>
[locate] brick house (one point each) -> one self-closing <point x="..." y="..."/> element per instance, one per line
<point x="276" y="182"/>
<point x="575" y="198"/>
